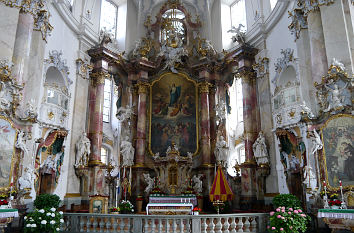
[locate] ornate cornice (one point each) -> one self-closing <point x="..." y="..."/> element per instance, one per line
<point x="41" y="23"/>
<point x="26" y="6"/>
<point x="262" y="67"/>
<point x="308" y="6"/>
<point x="247" y="75"/>
<point x="298" y="22"/>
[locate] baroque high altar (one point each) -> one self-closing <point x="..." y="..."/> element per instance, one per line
<point x="172" y="104"/>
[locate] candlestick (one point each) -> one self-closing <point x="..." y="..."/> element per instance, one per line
<point x="325" y="198"/>
<point x="342" y="204"/>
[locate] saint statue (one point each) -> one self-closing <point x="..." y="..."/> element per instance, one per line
<point x="221" y="151"/>
<point x="316" y="142"/>
<point x="260" y="149"/>
<point x="149" y="181"/>
<point x="127" y="151"/>
<point x="309" y="178"/>
<point x="26" y="180"/>
<point x="20" y="143"/>
<point x="198" y="184"/>
<point x="337" y="98"/>
<point x="83" y="150"/>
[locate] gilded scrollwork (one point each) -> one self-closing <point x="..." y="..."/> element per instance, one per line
<point x="308" y="6"/>
<point x="99" y="77"/>
<point x="298" y="22"/>
<point x="83" y="68"/>
<point x="41" y="23"/>
<point x="262" y="67"/>
<point x="26" y="6"/>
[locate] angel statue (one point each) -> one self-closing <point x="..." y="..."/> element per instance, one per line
<point x="124" y="113"/>
<point x="260" y="149"/>
<point x="127" y="151"/>
<point x="309" y="178"/>
<point x="239" y="35"/>
<point x="316" y="142"/>
<point x="20" y="143"/>
<point x="83" y="150"/>
<point x="149" y="181"/>
<point x="198" y="184"/>
<point x="337" y="98"/>
<point x="26" y="180"/>
<point x="221" y="151"/>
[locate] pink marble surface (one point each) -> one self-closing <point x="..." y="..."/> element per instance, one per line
<point x="205" y="127"/>
<point x="141" y="127"/>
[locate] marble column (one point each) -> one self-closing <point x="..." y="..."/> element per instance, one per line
<point x="213" y="127"/>
<point x="141" y="125"/>
<point x="319" y="63"/>
<point x="96" y="101"/>
<point x="205" y="123"/>
<point x="22" y="46"/>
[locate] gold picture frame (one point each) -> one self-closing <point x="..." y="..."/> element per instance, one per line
<point x="184" y="81"/>
<point x="98" y="204"/>
<point x="337" y="156"/>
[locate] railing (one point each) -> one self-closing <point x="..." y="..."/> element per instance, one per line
<point x="124" y="223"/>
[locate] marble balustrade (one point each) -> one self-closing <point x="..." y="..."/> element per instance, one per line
<point x="252" y="222"/>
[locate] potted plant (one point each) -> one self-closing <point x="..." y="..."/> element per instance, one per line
<point x="45" y="217"/>
<point x="288" y="220"/>
<point x="3" y="204"/>
<point x="126" y="207"/>
<point x="114" y="210"/>
<point x="196" y="210"/>
<point x="334" y="204"/>
<point x="287" y="200"/>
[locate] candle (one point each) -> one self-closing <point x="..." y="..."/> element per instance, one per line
<point x="324" y="183"/>
<point x="340" y="183"/>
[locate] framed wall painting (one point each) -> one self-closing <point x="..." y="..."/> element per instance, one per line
<point x="338" y="151"/>
<point x="8" y="137"/>
<point x="173" y="114"/>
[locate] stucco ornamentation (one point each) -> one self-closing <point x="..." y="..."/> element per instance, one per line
<point x="83" y="68"/>
<point x="41" y="23"/>
<point x="298" y="22"/>
<point x="262" y="67"/>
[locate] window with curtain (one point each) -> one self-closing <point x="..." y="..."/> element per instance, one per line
<point x="273" y="3"/>
<point x="238" y="14"/>
<point x="107" y="100"/>
<point x="108" y="19"/>
<point x="104" y="155"/>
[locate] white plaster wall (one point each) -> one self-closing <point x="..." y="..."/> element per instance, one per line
<point x="216" y="33"/>
<point x="68" y="44"/>
<point x="132" y="26"/>
<point x="122" y="26"/>
<point x="225" y="26"/>
<point x="8" y="25"/>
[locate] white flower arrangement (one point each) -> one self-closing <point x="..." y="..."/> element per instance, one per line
<point x="43" y="220"/>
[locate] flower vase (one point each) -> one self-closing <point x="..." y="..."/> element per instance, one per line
<point x="139" y="205"/>
<point x="196" y="213"/>
<point x="334" y="207"/>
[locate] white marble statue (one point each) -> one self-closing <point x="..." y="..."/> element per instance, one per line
<point x="124" y="113"/>
<point x="136" y="50"/>
<point x="316" y="142"/>
<point x="337" y="98"/>
<point x="127" y="150"/>
<point x="149" y="181"/>
<point x="31" y="111"/>
<point x="221" y="151"/>
<point x="260" y="150"/>
<point x="105" y="37"/>
<point x="21" y="142"/>
<point x="294" y="162"/>
<point x="335" y="62"/>
<point x="239" y="35"/>
<point x="198" y="184"/>
<point x="48" y="165"/>
<point x="4" y="102"/>
<point x="83" y="150"/>
<point x="27" y="178"/>
<point x="309" y="177"/>
<point x="307" y="110"/>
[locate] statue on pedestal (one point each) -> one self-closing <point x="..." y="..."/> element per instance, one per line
<point x="149" y="181"/>
<point x="309" y="178"/>
<point x="198" y="184"/>
<point x="127" y="151"/>
<point x="27" y="178"/>
<point x="221" y="151"/>
<point x="83" y="150"/>
<point x="316" y="142"/>
<point x="260" y="150"/>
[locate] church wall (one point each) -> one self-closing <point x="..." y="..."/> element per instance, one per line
<point x="132" y="32"/>
<point x="277" y="39"/>
<point x="338" y="39"/>
<point x="123" y="23"/>
<point x="8" y="25"/>
<point x="63" y="33"/>
<point x="216" y="34"/>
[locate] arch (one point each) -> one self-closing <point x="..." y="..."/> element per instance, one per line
<point x="288" y="75"/>
<point x="54" y="77"/>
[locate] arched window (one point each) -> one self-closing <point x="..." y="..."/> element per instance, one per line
<point x="172" y="25"/>
<point x="273" y="3"/>
<point x="238" y="13"/>
<point x="108" y="19"/>
<point x="107" y="100"/>
<point x="239" y="156"/>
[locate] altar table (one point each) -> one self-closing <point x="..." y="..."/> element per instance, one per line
<point x="338" y="219"/>
<point x="174" y="199"/>
<point x="6" y="216"/>
<point x="169" y="208"/>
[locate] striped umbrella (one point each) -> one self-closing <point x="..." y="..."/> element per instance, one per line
<point x="220" y="191"/>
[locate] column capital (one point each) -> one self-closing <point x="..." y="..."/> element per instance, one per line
<point x="142" y="88"/>
<point x="247" y="75"/>
<point x="204" y="87"/>
<point x="99" y="77"/>
<point x="25" y="6"/>
<point x="313" y="5"/>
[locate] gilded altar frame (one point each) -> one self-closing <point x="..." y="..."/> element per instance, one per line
<point x="185" y="76"/>
<point x="324" y="162"/>
<point x="14" y="159"/>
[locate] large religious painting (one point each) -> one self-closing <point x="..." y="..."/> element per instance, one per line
<point x="173" y="114"/>
<point x="7" y="149"/>
<point x="338" y="152"/>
